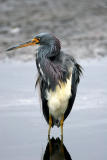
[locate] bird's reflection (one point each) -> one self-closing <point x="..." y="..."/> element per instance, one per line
<point x="55" y="150"/>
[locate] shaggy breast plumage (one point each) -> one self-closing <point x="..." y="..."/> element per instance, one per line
<point x="59" y="98"/>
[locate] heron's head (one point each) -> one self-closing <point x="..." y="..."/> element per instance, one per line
<point x="41" y="39"/>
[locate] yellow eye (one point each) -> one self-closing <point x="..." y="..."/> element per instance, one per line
<point x="36" y="40"/>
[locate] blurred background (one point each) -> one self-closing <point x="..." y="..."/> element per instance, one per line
<point x="81" y="26"/>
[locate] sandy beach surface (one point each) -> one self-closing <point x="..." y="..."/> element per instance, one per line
<point x="81" y="25"/>
<point x="23" y="130"/>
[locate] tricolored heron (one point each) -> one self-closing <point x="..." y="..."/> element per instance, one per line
<point x="59" y="75"/>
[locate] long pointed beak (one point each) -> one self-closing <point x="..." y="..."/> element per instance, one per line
<point x="29" y="43"/>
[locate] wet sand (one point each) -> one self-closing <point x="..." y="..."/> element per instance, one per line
<point x="23" y="134"/>
<point x="81" y="25"/>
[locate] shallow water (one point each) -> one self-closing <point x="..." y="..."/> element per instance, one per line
<point x="23" y="134"/>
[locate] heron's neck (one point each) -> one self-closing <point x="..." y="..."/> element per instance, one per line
<point x="48" y="70"/>
<point x="48" y="51"/>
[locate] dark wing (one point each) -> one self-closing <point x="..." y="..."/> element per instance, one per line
<point x="77" y="71"/>
<point x="45" y="108"/>
<point x="42" y="85"/>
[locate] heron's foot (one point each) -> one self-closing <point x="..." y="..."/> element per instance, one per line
<point x="50" y="125"/>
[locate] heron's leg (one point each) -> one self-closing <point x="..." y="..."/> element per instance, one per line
<point x="50" y="125"/>
<point x="61" y="123"/>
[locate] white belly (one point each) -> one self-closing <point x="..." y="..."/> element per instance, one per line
<point x="58" y="99"/>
